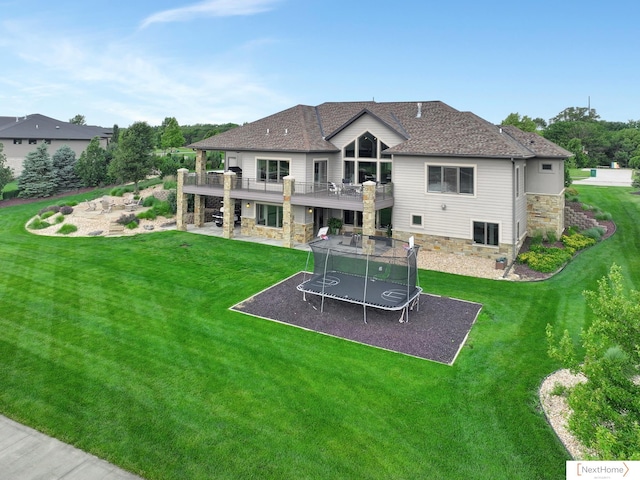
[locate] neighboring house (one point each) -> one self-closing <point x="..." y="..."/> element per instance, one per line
<point x="450" y="179"/>
<point x="21" y="135"/>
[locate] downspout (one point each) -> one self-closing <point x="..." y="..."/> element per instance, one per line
<point x="513" y="210"/>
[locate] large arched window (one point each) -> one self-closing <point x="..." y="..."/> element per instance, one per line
<point x="364" y="160"/>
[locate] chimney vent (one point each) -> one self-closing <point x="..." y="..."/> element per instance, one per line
<point x="419" y="115"/>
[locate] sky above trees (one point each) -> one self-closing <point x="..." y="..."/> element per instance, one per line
<point x="219" y="61"/>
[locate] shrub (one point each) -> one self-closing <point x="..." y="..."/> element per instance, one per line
<point x="59" y="218"/>
<point x="577" y="241"/>
<point x="47" y="214"/>
<point x="149" y="201"/>
<point x="603" y="216"/>
<point x="571" y="192"/>
<point x="50" y="208"/>
<point x="133" y="224"/>
<point x="38" y="224"/>
<point x="536" y="238"/>
<point x="67" y="228"/>
<point x="172" y="201"/>
<point x="126" y="219"/>
<point x="66" y="210"/>
<point x="595" y="233"/>
<point x="148" y="215"/>
<point x="552" y="237"/>
<point x="545" y="259"/>
<point x="170" y="185"/>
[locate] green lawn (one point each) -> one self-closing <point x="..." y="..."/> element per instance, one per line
<point x="125" y="347"/>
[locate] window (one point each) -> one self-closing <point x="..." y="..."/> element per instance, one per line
<point x="350" y="150"/>
<point x="518" y="182"/>
<point x="320" y="171"/>
<point x="485" y="233"/>
<point x="17" y="141"/>
<point x="441" y="179"/>
<point x="416" y="220"/>
<point x="269" y="215"/>
<point x="547" y="167"/>
<point x="32" y="141"/>
<point x="350" y="217"/>
<point x="367" y="146"/>
<point x="47" y="141"/>
<point x="383" y="147"/>
<point x="272" y="170"/>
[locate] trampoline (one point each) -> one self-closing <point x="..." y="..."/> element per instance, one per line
<point x="376" y="272"/>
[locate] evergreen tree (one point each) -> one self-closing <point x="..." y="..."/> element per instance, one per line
<point x="64" y="169"/>
<point x="133" y="159"/>
<point x="6" y="174"/>
<point x="37" y="179"/>
<point x="91" y="167"/>
<point x="78" y="120"/>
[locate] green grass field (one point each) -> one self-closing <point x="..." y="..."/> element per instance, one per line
<point x="125" y="347"/>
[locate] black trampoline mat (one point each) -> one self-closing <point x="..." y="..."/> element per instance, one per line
<point x="436" y="330"/>
<point x="353" y="288"/>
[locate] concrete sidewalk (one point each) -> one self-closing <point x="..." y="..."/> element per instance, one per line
<point x="609" y="177"/>
<point x="26" y="454"/>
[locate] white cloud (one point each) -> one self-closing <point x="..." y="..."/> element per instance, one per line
<point x="210" y="8"/>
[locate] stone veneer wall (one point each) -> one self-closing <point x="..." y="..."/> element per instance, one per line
<point x="459" y="246"/>
<point x="303" y="232"/>
<point x="544" y="213"/>
<point x="250" y="228"/>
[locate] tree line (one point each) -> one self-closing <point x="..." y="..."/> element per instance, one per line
<point x="593" y="142"/>
<point x="129" y="157"/>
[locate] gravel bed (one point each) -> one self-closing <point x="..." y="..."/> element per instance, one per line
<point x="436" y="329"/>
<point x="557" y="410"/>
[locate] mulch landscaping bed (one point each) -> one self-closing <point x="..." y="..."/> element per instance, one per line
<point x="436" y="330"/>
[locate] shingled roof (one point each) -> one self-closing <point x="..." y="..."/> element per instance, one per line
<point x="429" y="129"/>
<point x="42" y="127"/>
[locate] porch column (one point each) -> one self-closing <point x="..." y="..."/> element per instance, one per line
<point x="368" y="215"/>
<point x="181" y="200"/>
<point x="198" y="210"/>
<point x="229" y="204"/>
<point x="288" y="226"/>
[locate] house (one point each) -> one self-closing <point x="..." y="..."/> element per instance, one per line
<point x="21" y="135"/>
<point x="453" y="181"/>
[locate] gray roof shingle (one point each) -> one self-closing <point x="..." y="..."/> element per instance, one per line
<point x="42" y="127"/>
<point x="439" y="130"/>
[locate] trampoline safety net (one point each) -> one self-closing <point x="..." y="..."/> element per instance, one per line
<point x="372" y="271"/>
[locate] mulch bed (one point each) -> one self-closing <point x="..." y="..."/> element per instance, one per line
<point x="528" y="274"/>
<point x="436" y="330"/>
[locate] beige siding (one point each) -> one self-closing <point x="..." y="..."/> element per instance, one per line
<point x="542" y="180"/>
<point x="452" y="215"/>
<point x="17" y="153"/>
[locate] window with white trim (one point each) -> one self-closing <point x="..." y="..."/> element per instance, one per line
<point x="269" y="215"/>
<point x="416" y="220"/>
<point x="272" y="170"/>
<point x="486" y="233"/>
<point x="449" y="179"/>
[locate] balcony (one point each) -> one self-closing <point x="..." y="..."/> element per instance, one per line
<point x="326" y="195"/>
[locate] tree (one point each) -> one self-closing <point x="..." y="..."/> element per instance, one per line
<point x="64" y="169"/>
<point x="526" y="124"/>
<point x="606" y="408"/>
<point x="133" y="159"/>
<point x="91" y="167"/>
<point x="576" y="114"/>
<point x="172" y="135"/>
<point x="6" y="174"/>
<point x="78" y="120"/>
<point x="37" y="178"/>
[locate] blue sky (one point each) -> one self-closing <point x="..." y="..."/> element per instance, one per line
<point x="218" y="61"/>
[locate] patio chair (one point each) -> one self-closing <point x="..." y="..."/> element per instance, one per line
<point x="131" y="207"/>
<point x="91" y="206"/>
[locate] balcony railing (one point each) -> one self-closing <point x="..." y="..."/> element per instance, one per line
<point x="317" y="190"/>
